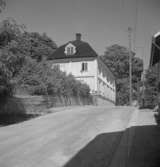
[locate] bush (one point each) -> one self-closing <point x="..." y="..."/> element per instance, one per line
<point x="149" y="94"/>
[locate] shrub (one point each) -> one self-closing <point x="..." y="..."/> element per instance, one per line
<point x="39" y="79"/>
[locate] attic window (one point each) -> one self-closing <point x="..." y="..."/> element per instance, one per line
<point x="70" y="49"/>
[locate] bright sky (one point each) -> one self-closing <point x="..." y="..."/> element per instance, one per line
<point x="101" y="22"/>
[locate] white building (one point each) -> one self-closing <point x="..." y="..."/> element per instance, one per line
<point x="79" y="59"/>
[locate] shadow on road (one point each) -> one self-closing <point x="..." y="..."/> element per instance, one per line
<point x="157" y="115"/>
<point x="13" y="111"/>
<point x="8" y="119"/>
<point x="98" y="153"/>
<point x="144" y="151"/>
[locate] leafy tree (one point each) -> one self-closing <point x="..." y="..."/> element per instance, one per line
<point x="149" y="96"/>
<point x="8" y="61"/>
<point x="10" y="30"/>
<point x="16" y="50"/>
<point x="37" y="46"/>
<point x="116" y="58"/>
<point x="16" y="43"/>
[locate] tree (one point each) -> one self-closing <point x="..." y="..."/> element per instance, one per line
<point x="11" y="55"/>
<point x="10" y="30"/>
<point x="116" y="57"/>
<point x="37" y="46"/>
<point x="17" y="46"/>
<point x="151" y="90"/>
<point x="16" y="43"/>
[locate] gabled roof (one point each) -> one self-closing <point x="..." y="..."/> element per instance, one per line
<point x="83" y="49"/>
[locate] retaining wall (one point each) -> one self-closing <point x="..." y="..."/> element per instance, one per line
<point x="40" y="104"/>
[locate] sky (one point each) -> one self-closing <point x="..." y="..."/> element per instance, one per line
<point x="102" y="23"/>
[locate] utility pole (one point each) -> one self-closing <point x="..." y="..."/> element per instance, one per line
<point x="130" y="64"/>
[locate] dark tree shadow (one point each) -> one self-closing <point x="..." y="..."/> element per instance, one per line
<point x="145" y="150"/>
<point x="157" y="115"/>
<point x="98" y="153"/>
<point x="101" y="151"/>
<point x="13" y="111"/>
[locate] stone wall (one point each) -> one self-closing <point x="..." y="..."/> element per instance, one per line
<point x="22" y="104"/>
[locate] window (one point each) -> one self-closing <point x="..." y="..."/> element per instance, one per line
<point x="70" y="49"/>
<point x="84" y="67"/>
<point x="55" y="66"/>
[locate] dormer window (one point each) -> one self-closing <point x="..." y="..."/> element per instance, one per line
<point x="70" y="49"/>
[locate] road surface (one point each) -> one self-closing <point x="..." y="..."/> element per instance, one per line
<point x="145" y="150"/>
<point x="79" y="137"/>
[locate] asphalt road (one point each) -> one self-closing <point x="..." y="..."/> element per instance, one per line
<point x="79" y="137"/>
<point x="145" y="150"/>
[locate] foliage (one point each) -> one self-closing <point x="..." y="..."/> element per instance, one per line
<point x="17" y="45"/>
<point x="37" y="46"/>
<point x="39" y="79"/>
<point x="24" y="63"/>
<point x="10" y="59"/>
<point x="117" y="59"/>
<point x="10" y="30"/>
<point x="149" y="93"/>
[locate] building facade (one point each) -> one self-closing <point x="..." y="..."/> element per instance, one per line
<point x="155" y="61"/>
<point x="155" y="55"/>
<point x="79" y="59"/>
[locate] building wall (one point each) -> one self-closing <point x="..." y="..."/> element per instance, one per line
<point x="74" y="67"/>
<point x="106" y="82"/>
<point x="98" y="76"/>
<point x="100" y="101"/>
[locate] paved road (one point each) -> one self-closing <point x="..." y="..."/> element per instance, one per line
<point x="145" y="150"/>
<point x="78" y="137"/>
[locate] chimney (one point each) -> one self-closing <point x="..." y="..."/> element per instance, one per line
<point x="78" y="36"/>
